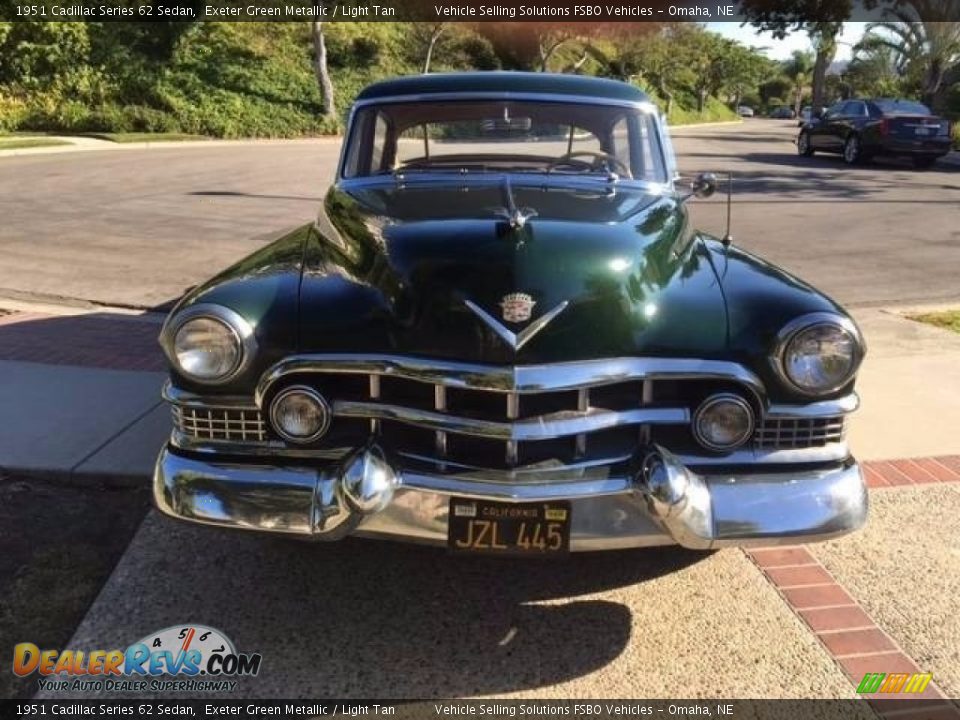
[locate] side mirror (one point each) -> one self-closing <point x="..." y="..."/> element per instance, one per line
<point x="704" y="185"/>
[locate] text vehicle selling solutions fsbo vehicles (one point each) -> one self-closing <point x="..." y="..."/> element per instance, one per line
<point x="502" y="334"/>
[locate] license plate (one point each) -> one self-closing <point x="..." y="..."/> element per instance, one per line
<point x="481" y="526"/>
<point x="921" y="131"/>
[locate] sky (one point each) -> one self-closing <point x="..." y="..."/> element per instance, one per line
<point x="781" y="49"/>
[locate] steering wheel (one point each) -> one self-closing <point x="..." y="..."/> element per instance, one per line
<point x="597" y="155"/>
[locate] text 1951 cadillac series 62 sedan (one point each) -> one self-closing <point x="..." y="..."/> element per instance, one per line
<point x="502" y="334"/>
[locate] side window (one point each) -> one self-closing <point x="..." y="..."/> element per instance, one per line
<point x="379" y="143"/>
<point x="620" y="140"/>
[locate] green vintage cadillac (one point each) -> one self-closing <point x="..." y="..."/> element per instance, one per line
<point x="503" y="335"/>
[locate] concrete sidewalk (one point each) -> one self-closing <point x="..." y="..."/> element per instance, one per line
<point x="80" y="393"/>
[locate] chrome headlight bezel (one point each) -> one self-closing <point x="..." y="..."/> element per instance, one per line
<point x="793" y="329"/>
<point x="317" y="398"/>
<point x="708" y="404"/>
<point x="230" y="319"/>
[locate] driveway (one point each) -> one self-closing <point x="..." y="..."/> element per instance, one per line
<point x="138" y="227"/>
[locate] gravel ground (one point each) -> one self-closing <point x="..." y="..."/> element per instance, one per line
<point x="368" y="618"/>
<point x="904" y="568"/>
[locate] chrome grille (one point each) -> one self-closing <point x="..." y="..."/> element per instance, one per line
<point x="779" y="433"/>
<point x="498" y="427"/>
<point x="219" y="423"/>
<point x="520" y="418"/>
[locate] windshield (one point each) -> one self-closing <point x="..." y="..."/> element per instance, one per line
<point x="902" y="106"/>
<point x="505" y="136"/>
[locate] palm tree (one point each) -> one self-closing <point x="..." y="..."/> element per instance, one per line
<point x="923" y="47"/>
<point x="799" y="68"/>
<point x="873" y="71"/>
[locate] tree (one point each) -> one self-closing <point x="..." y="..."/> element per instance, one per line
<point x="427" y="35"/>
<point x="322" y="71"/>
<point x="657" y="62"/>
<point x="873" y="70"/>
<point x="799" y="68"/>
<point x="822" y="20"/>
<point x="923" y="45"/>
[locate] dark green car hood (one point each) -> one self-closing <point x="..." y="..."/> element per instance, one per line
<point x="391" y="268"/>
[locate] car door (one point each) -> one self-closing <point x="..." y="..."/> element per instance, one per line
<point x="822" y="134"/>
<point x="855" y="116"/>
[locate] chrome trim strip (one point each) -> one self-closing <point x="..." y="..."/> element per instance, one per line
<point x="272" y="451"/>
<point x="516" y="340"/>
<point x="831" y="452"/>
<point x="543" y="427"/>
<point x="277" y="452"/>
<point x="583" y="405"/>
<point x="374" y="391"/>
<point x="543" y="471"/>
<point x="519" y="379"/>
<point x="176" y="396"/>
<point x="645" y="106"/>
<point x="824" y="408"/>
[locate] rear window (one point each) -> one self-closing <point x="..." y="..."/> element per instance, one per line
<point x="902" y="106"/>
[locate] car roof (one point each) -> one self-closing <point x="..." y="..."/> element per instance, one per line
<point x="507" y="82"/>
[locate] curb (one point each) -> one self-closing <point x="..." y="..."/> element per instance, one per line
<point x="107" y="145"/>
<point x="719" y="123"/>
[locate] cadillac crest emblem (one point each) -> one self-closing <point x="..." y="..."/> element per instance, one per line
<point x="517" y="307"/>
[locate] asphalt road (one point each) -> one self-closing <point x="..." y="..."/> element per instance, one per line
<point x="138" y="227"/>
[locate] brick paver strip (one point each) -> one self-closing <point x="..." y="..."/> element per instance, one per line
<point x="845" y="629"/>
<point x="101" y="340"/>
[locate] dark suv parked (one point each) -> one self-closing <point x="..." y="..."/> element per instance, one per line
<point x="860" y="129"/>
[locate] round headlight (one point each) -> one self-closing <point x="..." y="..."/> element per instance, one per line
<point x="207" y="349"/>
<point x="300" y="415"/>
<point x="723" y="422"/>
<point x="822" y="356"/>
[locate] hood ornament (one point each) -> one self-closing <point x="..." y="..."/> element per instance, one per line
<point x="515" y="216"/>
<point x="517" y="305"/>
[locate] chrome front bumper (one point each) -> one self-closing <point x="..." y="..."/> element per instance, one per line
<point x="661" y="503"/>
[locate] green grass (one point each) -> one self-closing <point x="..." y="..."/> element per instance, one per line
<point x="947" y="319"/>
<point x="16" y="143"/>
<point x="133" y="137"/>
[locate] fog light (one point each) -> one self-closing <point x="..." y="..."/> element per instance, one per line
<point x="723" y="422"/>
<point x="300" y="415"/>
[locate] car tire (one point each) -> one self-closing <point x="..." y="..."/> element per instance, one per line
<point x="923" y="163"/>
<point x="804" y="146"/>
<point x="852" y="151"/>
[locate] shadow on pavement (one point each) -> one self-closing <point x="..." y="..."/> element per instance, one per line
<point x="232" y="193"/>
<point x="96" y="339"/>
<point x="372" y="618"/>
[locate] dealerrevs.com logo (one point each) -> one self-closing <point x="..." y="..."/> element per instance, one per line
<point x="178" y="658"/>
